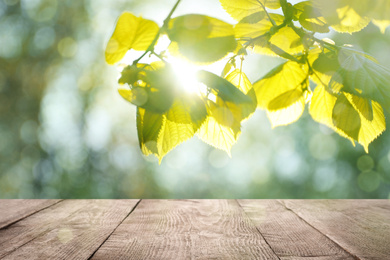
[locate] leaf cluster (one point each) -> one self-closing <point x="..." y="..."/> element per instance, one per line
<point x="346" y="90"/>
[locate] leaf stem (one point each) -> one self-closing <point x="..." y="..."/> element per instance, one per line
<point x="151" y="46"/>
<point x="266" y="12"/>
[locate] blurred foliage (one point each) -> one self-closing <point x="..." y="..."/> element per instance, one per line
<point x="65" y="133"/>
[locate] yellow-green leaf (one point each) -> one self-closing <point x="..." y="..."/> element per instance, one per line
<point x="264" y="41"/>
<point x="321" y="109"/>
<point x="373" y="121"/>
<point x="352" y="117"/>
<point x="131" y="32"/>
<point x="200" y="38"/>
<point x="243" y="110"/>
<point x="312" y="20"/>
<point x="285" y="100"/>
<point x="346" y="118"/>
<point x="281" y="80"/>
<point x="240" y="9"/>
<point x="345" y="15"/>
<point x="287" y="115"/>
<point x="220" y="129"/>
<point x="324" y="64"/>
<point x="177" y="128"/>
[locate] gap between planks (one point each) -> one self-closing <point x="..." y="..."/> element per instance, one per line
<point x="254" y="224"/>
<point x="136" y="205"/>
<point x="337" y="244"/>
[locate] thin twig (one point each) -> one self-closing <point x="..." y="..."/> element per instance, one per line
<point x="151" y="46"/>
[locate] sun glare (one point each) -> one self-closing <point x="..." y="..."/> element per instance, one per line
<point x="185" y="72"/>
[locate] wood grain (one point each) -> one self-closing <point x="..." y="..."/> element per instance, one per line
<point x="289" y="236"/>
<point x="72" y="229"/>
<point x="12" y="211"/>
<point x="193" y="229"/>
<point x="362" y="227"/>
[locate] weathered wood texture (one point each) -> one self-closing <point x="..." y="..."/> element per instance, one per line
<point x="360" y="226"/>
<point x="12" y="211"/>
<point x="72" y="229"/>
<point x="289" y="236"/>
<point x="195" y="229"/>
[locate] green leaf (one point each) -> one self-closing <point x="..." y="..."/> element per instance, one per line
<point x="149" y="126"/>
<point x="240" y="9"/>
<point x="311" y="19"/>
<point x="254" y="18"/>
<point x="223" y="88"/>
<point x="152" y="87"/>
<point x="352" y="117"/>
<point x="285" y="100"/>
<point x="131" y="32"/>
<point x="373" y="121"/>
<point x="324" y="64"/>
<point x="360" y="75"/>
<point x="346" y="118"/>
<point x="200" y="38"/>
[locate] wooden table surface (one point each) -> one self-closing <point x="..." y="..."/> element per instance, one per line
<point x="195" y="229"/>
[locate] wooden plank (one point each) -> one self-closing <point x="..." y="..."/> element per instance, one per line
<point x="12" y="211"/>
<point x="362" y="227"/>
<point x="192" y="229"/>
<point x="289" y="236"/>
<point x="72" y="229"/>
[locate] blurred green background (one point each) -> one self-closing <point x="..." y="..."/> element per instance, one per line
<point x="66" y="133"/>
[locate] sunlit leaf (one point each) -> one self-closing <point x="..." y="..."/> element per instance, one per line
<point x="266" y="41"/>
<point x="346" y="118"/>
<point x="373" y="121"/>
<point x="352" y="117"/>
<point x="201" y="38"/>
<point x="287" y="115"/>
<point x="220" y="129"/>
<point x="360" y="75"/>
<point x="345" y="15"/>
<point x="243" y="110"/>
<point x="253" y="30"/>
<point x="240" y="9"/>
<point x="131" y="32"/>
<point x="282" y="93"/>
<point x="177" y="128"/>
<point x="285" y="100"/>
<point x="287" y="77"/>
<point x="287" y="40"/>
<point x="321" y="109"/>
